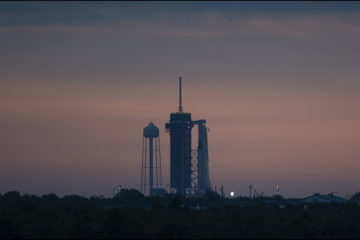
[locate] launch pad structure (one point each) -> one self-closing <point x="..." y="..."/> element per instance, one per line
<point x="189" y="169"/>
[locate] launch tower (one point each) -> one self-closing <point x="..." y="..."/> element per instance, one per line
<point x="189" y="171"/>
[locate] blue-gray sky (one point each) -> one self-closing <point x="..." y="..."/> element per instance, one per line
<point x="278" y="83"/>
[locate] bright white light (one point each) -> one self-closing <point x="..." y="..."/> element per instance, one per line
<point x="232" y="194"/>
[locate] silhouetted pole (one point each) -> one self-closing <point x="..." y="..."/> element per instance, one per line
<point x="151" y="166"/>
<point x="180" y="104"/>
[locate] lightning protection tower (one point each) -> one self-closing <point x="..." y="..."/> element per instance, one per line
<point x="151" y="161"/>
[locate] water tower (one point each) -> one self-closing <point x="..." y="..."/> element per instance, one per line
<point x="151" y="176"/>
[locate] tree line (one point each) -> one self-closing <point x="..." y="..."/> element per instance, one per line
<point x="132" y="215"/>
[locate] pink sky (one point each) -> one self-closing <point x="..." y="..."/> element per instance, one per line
<point x="279" y="90"/>
<point x="66" y="138"/>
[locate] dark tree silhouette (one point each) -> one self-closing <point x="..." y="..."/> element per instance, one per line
<point x="355" y="197"/>
<point x="125" y="216"/>
<point x="129" y="197"/>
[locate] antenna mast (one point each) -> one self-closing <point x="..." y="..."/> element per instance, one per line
<point x="180" y="105"/>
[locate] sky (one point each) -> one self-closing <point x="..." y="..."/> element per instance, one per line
<point x="277" y="82"/>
